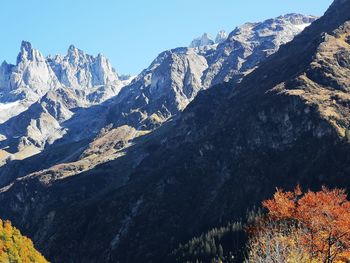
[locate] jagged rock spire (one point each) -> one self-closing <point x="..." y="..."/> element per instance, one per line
<point x="27" y="53"/>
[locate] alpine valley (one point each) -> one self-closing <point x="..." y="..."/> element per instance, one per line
<point x="101" y="167"/>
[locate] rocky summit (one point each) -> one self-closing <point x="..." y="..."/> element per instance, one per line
<point x="38" y="94"/>
<point x="52" y="97"/>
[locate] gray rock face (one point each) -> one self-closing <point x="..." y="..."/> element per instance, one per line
<point x="34" y="75"/>
<point x="87" y="75"/>
<point x="229" y="148"/>
<point x="221" y="37"/>
<point x="284" y="124"/>
<point x="41" y="93"/>
<point x="31" y="78"/>
<point x="207" y="40"/>
<point x="176" y="76"/>
<point x="249" y="45"/>
<point x="162" y="90"/>
<point x="64" y="88"/>
<point x="204" y="40"/>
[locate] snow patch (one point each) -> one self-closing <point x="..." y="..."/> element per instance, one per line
<point x="11" y="109"/>
<point x="302" y="26"/>
<point x="6" y="106"/>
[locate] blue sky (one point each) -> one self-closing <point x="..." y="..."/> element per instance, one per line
<point x="130" y="33"/>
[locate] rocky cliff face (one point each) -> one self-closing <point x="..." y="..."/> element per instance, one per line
<point x="284" y="124"/>
<point x="34" y="75"/>
<point x="204" y="40"/>
<point x="53" y="97"/>
<point x="94" y="77"/>
<point x="228" y="150"/>
<point x="250" y="44"/>
<point x="38" y="94"/>
<point x="175" y="77"/>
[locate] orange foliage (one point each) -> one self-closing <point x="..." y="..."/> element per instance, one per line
<point x="323" y="216"/>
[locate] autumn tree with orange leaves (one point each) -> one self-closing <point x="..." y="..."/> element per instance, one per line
<point x="310" y="227"/>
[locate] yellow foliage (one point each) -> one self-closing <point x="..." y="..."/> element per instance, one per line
<point x="15" y="248"/>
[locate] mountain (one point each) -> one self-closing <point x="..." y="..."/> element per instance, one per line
<point x="34" y="75"/>
<point x="93" y="77"/>
<point x="221" y="37"/>
<point x="176" y="76"/>
<point x="90" y="93"/>
<point x="285" y="123"/>
<point x="16" y="248"/>
<point x="38" y="94"/>
<point x="250" y="44"/>
<point x="207" y="40"/>
<point x="204" y="40"/>
<point x="153" y="177"/>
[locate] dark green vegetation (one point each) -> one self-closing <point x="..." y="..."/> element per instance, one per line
<point x="220" y="244"/>
<point x="224" y="243"/>
<point x="285" y="123"/>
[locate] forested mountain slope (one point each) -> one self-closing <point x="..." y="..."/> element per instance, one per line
<point x="286" y="123"/>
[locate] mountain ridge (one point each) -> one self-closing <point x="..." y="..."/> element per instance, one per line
<point x="228" y="150"/>
<point x="157" y="94"/>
